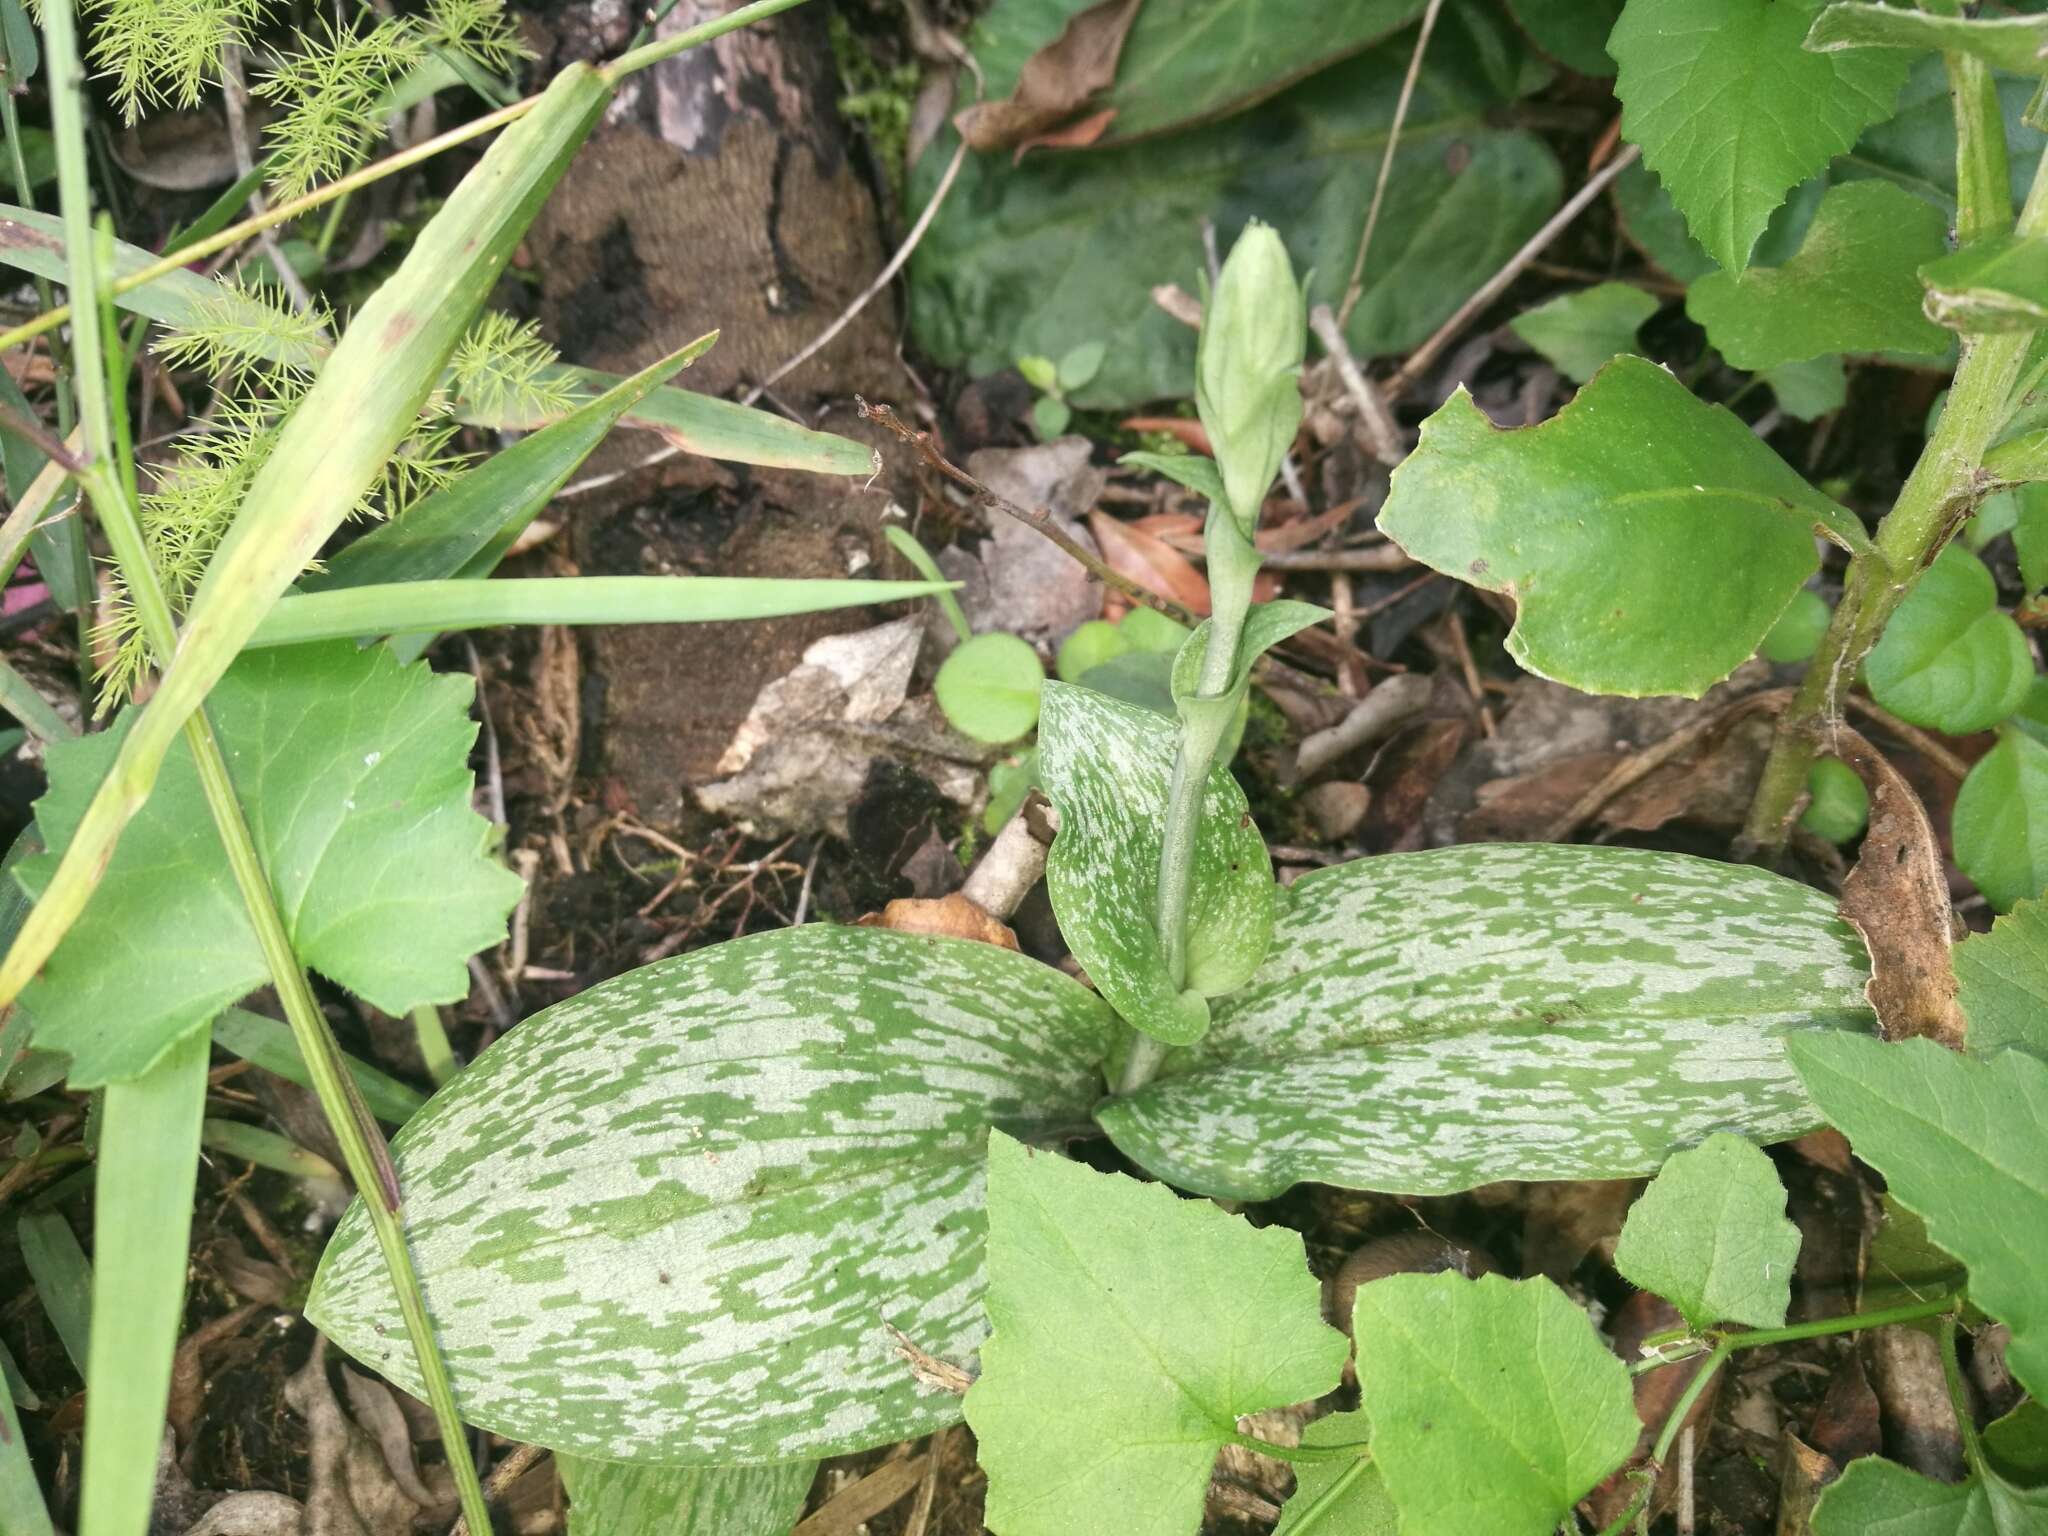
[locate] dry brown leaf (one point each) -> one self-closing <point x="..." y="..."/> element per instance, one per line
<point x="1150" y="561"/>
<point x="948" y="917"/>
<point x="1897" y="898"/>
<point x="1078" y="134"/>
<point x="1055" y="81"/>
<point x="847" y="1511"/>
<point x="930" y="1370"/>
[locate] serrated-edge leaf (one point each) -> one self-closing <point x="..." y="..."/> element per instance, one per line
<point x="673" y="1218"/>
<point x="1875" y="1497"/>
<point x="1710" y="1236"/>
<point x="1428" y="1022"/>
<point x="2003" y="981"/>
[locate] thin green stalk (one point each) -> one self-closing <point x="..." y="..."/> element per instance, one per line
<point x="1959" y="1398"/>
<point x="904" y="542"/>
<point x="19" y="698"/>
<point x="1312" y="1514"/>
<point x="1680" y="1412"/>
<point x="668" y="47"/>
<point x="1303" y="1455"/>
<point x="435" y="1050"/>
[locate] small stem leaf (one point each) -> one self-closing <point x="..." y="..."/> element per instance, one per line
<point x="1494" y="1405"/>
<point x="1964" y="1143"/>
<point x="609" y="1498"/>
<point x="1711" y="1237"/>
<point x="1852" y="288"/>
<point x="1196" y="471"/>
<point x="1339" y="1498"/>
<point x="1949" y="658"/>
<point x="715" y="1184"/>
<point x="1131" y="1330"/>
<point x="356" y="775"/>
<point x="2000" y="821"/>
<point x="1874" y="1495"/>
<point x="1429" y="1022"/>
<point x="1994" y="285"/>
<point x="1579" y="331"/>
<point x="2018" y="44"/>
<point x="1107" y="765"/>
<point x="1779" y="114"/>
<point x="1650" y="541"/>
<point x="2003" y="976"/>
<point x="1840" y="808"/>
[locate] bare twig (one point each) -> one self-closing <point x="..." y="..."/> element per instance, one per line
<point x="1382" y="432"/>
<point x="502" y="1477"/>
<point x="1376" y="557"/>
<point x="1355" y="288"/>
<point x="1911" y="735"/>
<point x="1390" y="704"/>
<point x="1014" y="861"/>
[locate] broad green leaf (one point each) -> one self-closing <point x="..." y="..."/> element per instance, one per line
<point x="1580" y="331"/>
<point x="1902" y="1266"/>
<point x="1732" y="113"/>
<point x="1143" y="678"/>
<point x="2003" y="975"/>
<point x="1573" y="32"/>
<point x="1991" y="285"/>
<point x="1494" y="1405"/>
<point x="1649" y="541"/>
<point x="1811" y="389"/>
<point x="1428" y="1022"/>
<point x="2000" y="821"/>
<point x="1949" y="658"/>
<point x="1711" y="1237"/>
<point x="674" y="1218"/>
<point x="1191" y="61"/>
<point x="1130" y="1330"/>
<point x="1875" y="1497"/>
<point x="1107" y="766"/>
<point x="1358" y="1504"/>
<point x="1840" y="807"/>
<point x="355" y="775"/>
<point x="1799" y="628"/>
<point x="1964" y="1143"/>
<point x="2018" y="44"/>
<point x="989" y="687"/>
<point x="1653" y="223"/>
<point x="1063" y="249"/>
<point x="1851" y="288"/>
<point x="610" y="1498"/>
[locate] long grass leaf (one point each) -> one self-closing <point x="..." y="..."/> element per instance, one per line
<point x="269" y="1044"/>
<point x="22" y="1511"/>
<point x="63" y="1279"/>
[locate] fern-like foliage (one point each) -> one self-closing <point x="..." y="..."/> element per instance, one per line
<point x="158" y="53"/>
<point x="504" y="369"/>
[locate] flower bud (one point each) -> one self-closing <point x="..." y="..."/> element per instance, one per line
<point x="1247" y="367"/>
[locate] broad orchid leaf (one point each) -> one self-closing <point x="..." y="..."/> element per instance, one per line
<point x="1494" y="1405"/>
<point x="611" y="1498"/>
<point x="2003" y="975"/>
<point x="1990" y="285"/>
<point x="1433" y="1021"/>
<point x="1949" y="658"/>
<point x="1710" y="1236"/>
<point x="1131" y="1330"/>
<point x="1778" y="113"/>
<point x="355" y="774"/>
<point x="2017" y="44"/>
<point x="2000" y="822"/>
<point x="1360" y="1505"/>
<point x="1107" y="765"/>
<point x="1579" y="331"/>
<point x="674" y="1218"/>
<point x="1875" y="1497"/>
<point x="1649" y="540"/>
<point x="1963" y="1143"/>
<point x="1852" y="288"/>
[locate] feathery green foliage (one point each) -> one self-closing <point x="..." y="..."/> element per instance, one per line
<point x="163" y="53"/>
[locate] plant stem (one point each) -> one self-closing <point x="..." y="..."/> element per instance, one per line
<point x="1303" y="1455"/>
<point x="1327" y="1500"/>
<point x="1959" y="1398"/>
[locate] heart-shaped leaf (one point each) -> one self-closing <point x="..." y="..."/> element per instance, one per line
<point x="1949" y="658"/>
<point x="1650" y="541"/>
<point x="1711" y="1237"/>
<point x="1428" y="1022"/>
<point x="675" y="1218"/>
<point x="1990" y="285"/>
<point x="2000" y="823"/>
<point x="1874" y="1495"/>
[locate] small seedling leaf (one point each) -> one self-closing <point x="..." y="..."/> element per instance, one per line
<point x="1578" y="332"/>
<point x="1992" y="285"/>
<point x="1962" y="1142"/>
<point x="1840" y="806"/>
<point x="1040" y="373"/>
<point x="1079" y="367"/>
<point x="1494" y="1405"/>
<point x="1130" y="1331"/>
<point x="1875" y="1497"/>
<point x="989" y="686"/>
<point x="1657" y="567"/>
<point x="2004" y="979"/>
<point x="355" y="772"/>
<point x="1429" y="1022"/>
<point x="715" y="1184"/>
<point x="2000" y="823"/>
<point x="1711" y="1237"/>
<point x="1852" y="288"/>
<point x="1779" y="114"/>
<point x="1949" y="658"/>
<point x="1107" y="766"/>
<point x="1050" y="417"/>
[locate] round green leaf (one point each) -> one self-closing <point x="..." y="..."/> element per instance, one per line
<point x="1089" y="647"/>
<point x="1081" y="365"/>
<point x="2000" y="824"/>
<point x="1147" y="629"/>
<point x="1050" y="416"/>
<point x="989" y="687"/>
<point x="1949" y="659"/>
<point x="1798" y="629"/>
<point x="1841" y="804"/>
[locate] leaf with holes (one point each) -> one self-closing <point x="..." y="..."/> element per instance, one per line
<point x="1711" y="1237"/>
<point x="1650" y="541"/>
<point x="355" y="775"/>
<point x="1949" y="658"/>
<point x="674" y="1218"/>
<point x="1428" y="1022"/>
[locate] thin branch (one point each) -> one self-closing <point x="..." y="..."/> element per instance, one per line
<point x="1355" y="288"/>
<point x="44" y="440"/>
<point x="1382" y="432"/>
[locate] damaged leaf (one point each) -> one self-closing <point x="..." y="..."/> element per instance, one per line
<point x="1055" y="82"/>
<point x="1711" y="1237"/>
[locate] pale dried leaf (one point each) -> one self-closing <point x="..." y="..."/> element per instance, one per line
<point x="1056" y="81"/>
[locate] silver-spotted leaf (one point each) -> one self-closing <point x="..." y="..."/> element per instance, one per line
<point x="674" y="1218"/>
<point x="1949" y="658"/>
<point x="354" y="774"/>
<point x="613" y="1498"/>
<point x="1710" y="1236"/>
<point x="1649" y="540"/>
<point x="1130" y="1331"/>
<point x="1108" y="766"/>
<point x="1428" y="1022"/>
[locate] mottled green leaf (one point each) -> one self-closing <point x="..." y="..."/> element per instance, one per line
<point x="1573" y="32"/>
<point x="1852" y="287"/>
<point x="988" y="686"/>
<point x="1811" y="389"/>
<point x="2000" y="821"/>
<point x="1962" y="1142"/>
<point x="2004" y="979"/>
<point x="354" y="772"/>
<point x="1649" y="540"/>
<point x="1062" y="249"/>
<point x="610" y="1498"/>
<point x="2018" y="44"/>
<point x="1130" y="1331"/>
<point x="674" y="1218"/>
<point x="1992" y="285"/>
<point x="1356" y="1493"/>
<point x="1875" y="1497"/>
<point x="1580" y="331"/>
<point x="1711" y="1237"/>
<point x="1949" y="658"/>
<point x="1107" y="766"/>
<point x="1494" y="1405"/>
<point x="1732" y="113"/>
<point x="1429" y="1022"/>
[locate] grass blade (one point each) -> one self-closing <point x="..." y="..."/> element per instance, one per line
<point x="414" y="607"/>
<point x="22" y="1511"/>
<point x="266" y="1149"/>
<point x="268" y="1044"/>
<point x="63" y="1281"/>
<point x="142" y="1228"/>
